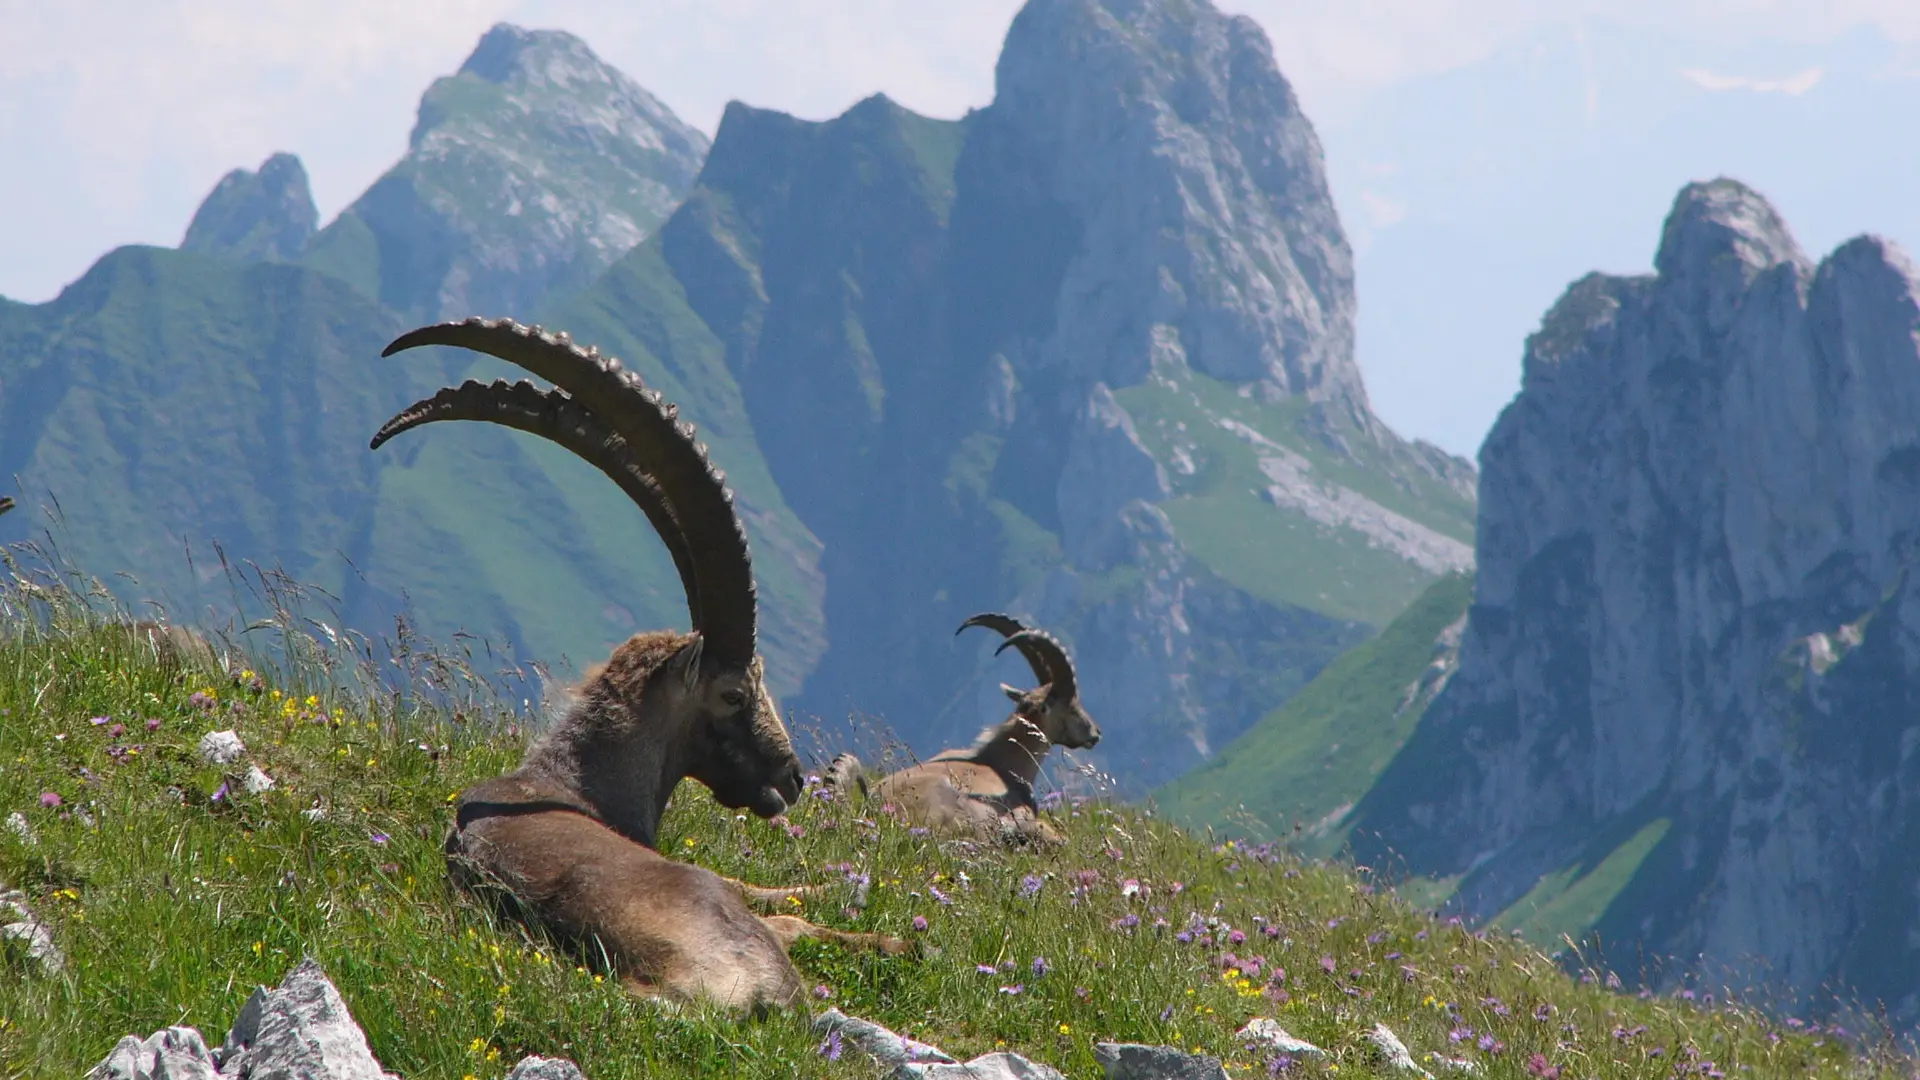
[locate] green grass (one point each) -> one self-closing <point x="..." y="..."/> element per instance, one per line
<point x="172" y="906"/>
<point x="1314" y="756"/>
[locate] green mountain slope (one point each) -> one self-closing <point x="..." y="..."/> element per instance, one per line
<point x="168" y="401"/>
<point x="1306" y="763"/>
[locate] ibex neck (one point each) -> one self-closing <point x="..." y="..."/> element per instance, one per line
<point x="623" y="781"/>
<point x="1014" y="749"/>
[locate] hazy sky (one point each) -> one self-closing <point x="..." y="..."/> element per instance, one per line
<point x="117" y="117"/>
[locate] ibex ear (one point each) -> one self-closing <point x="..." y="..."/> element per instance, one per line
<point x="1013" y="692"/>
<point x="690" y="657"/>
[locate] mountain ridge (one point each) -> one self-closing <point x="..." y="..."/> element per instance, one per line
<point x="1688" y="628"/>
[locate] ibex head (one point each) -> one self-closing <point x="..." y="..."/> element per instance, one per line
<point x="676" y="704"/>
<point x="1053" y="706"/>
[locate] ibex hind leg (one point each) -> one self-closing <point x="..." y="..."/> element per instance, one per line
<point x="792" y="928"/>
<point x="769" y="897"/>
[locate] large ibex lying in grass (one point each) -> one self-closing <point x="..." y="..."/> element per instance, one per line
<point x="566" y="841"/>
<point x="986" y="791"/>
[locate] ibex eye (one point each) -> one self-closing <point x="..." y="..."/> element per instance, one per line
<point x="732" y="697"/>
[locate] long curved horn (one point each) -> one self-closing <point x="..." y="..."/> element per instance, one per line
<point x="694" y="489"/>
<point x="1056" y="656"/>
<point x="1009" y="627"/>
<point x="6" y="503"/>
<point x="553" y="415"/>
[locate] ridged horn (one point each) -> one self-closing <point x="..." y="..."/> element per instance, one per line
<point x="695" y="491"/>
<point x="552" y="415"/>
<point x="1054" y="655"/>
<point x="1010" y="628"/>
<point x="6" y="503"/>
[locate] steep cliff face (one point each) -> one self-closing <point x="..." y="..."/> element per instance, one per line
<point x="1691" y="614"/>
<point x="264" y="216"/>
<point x="1085" y="354"/>
<point x="527" y="174"/>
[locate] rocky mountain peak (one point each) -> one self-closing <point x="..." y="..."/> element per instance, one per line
<point x="1692" y="651"/>
<point x="263" y="216"/>
<point x="1172" y="137"/>
<point x="530" y="171"/>
<point x="1719" y="237"/>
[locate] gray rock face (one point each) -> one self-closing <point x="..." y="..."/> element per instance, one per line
<point x="175" y="1053"/>
<point x="534" y="1067"/>
<point x="1133" y="1061"/>
<point x="528" y="172"/>
<point x="1693" y="606"/>
<point x="22" y="929"/>
<point x="1107" y="468"/>
<point x="1170" y="134"/>
<point x="300" y="1031"/>
<point x="303" y="1030"/>
<point x="265" y="216"/>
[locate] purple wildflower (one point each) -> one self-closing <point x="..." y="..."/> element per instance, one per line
<point x="99" y="721"/>
<point x="1030" y="885"/>
<point x="1235" y="937"/>
<point x="830" y="1048"/>
<point x="1183" y="937"/>
<point x="1279" y="1063"/>
<point x="918" y="830"/>
<point x="1126" y="922"/>
<point x="153" y="723"/>
<point x="1015" y="990"/>
<point x="1460" y="1034"/>
<point x="1327" y="964"/>
<point x="919" y="922"/>
<point x="1166" y="1014"/>
<point x="220" y="792"/>
<point x="985" y="969"/>
<point x="379" y="838"/>
<point x="116" y="731"/>
<point x="935" y="892"/>
<point x="50" y="799"/>
<point x="796" y="831"/>
<point x="1543" y="1012"/>
<point x="1040" y="966"/>
<point x="822" y="991"/>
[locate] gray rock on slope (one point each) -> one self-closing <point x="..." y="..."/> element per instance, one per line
<point x="1694" y="604"/>
<point x="264" y="216"/>
<point x="300" y="1031"/>
<point x="1134" y="1061"/>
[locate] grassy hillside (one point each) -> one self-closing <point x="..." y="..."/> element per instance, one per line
<point x="1308" y="761"/>
<point x="173" y="898"/>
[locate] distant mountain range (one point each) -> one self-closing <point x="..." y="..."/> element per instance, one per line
<point x="1085" y="354"/>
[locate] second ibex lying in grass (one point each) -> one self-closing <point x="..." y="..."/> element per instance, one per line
<point x="986" y="791"/>
<point x="566" y="841"/>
